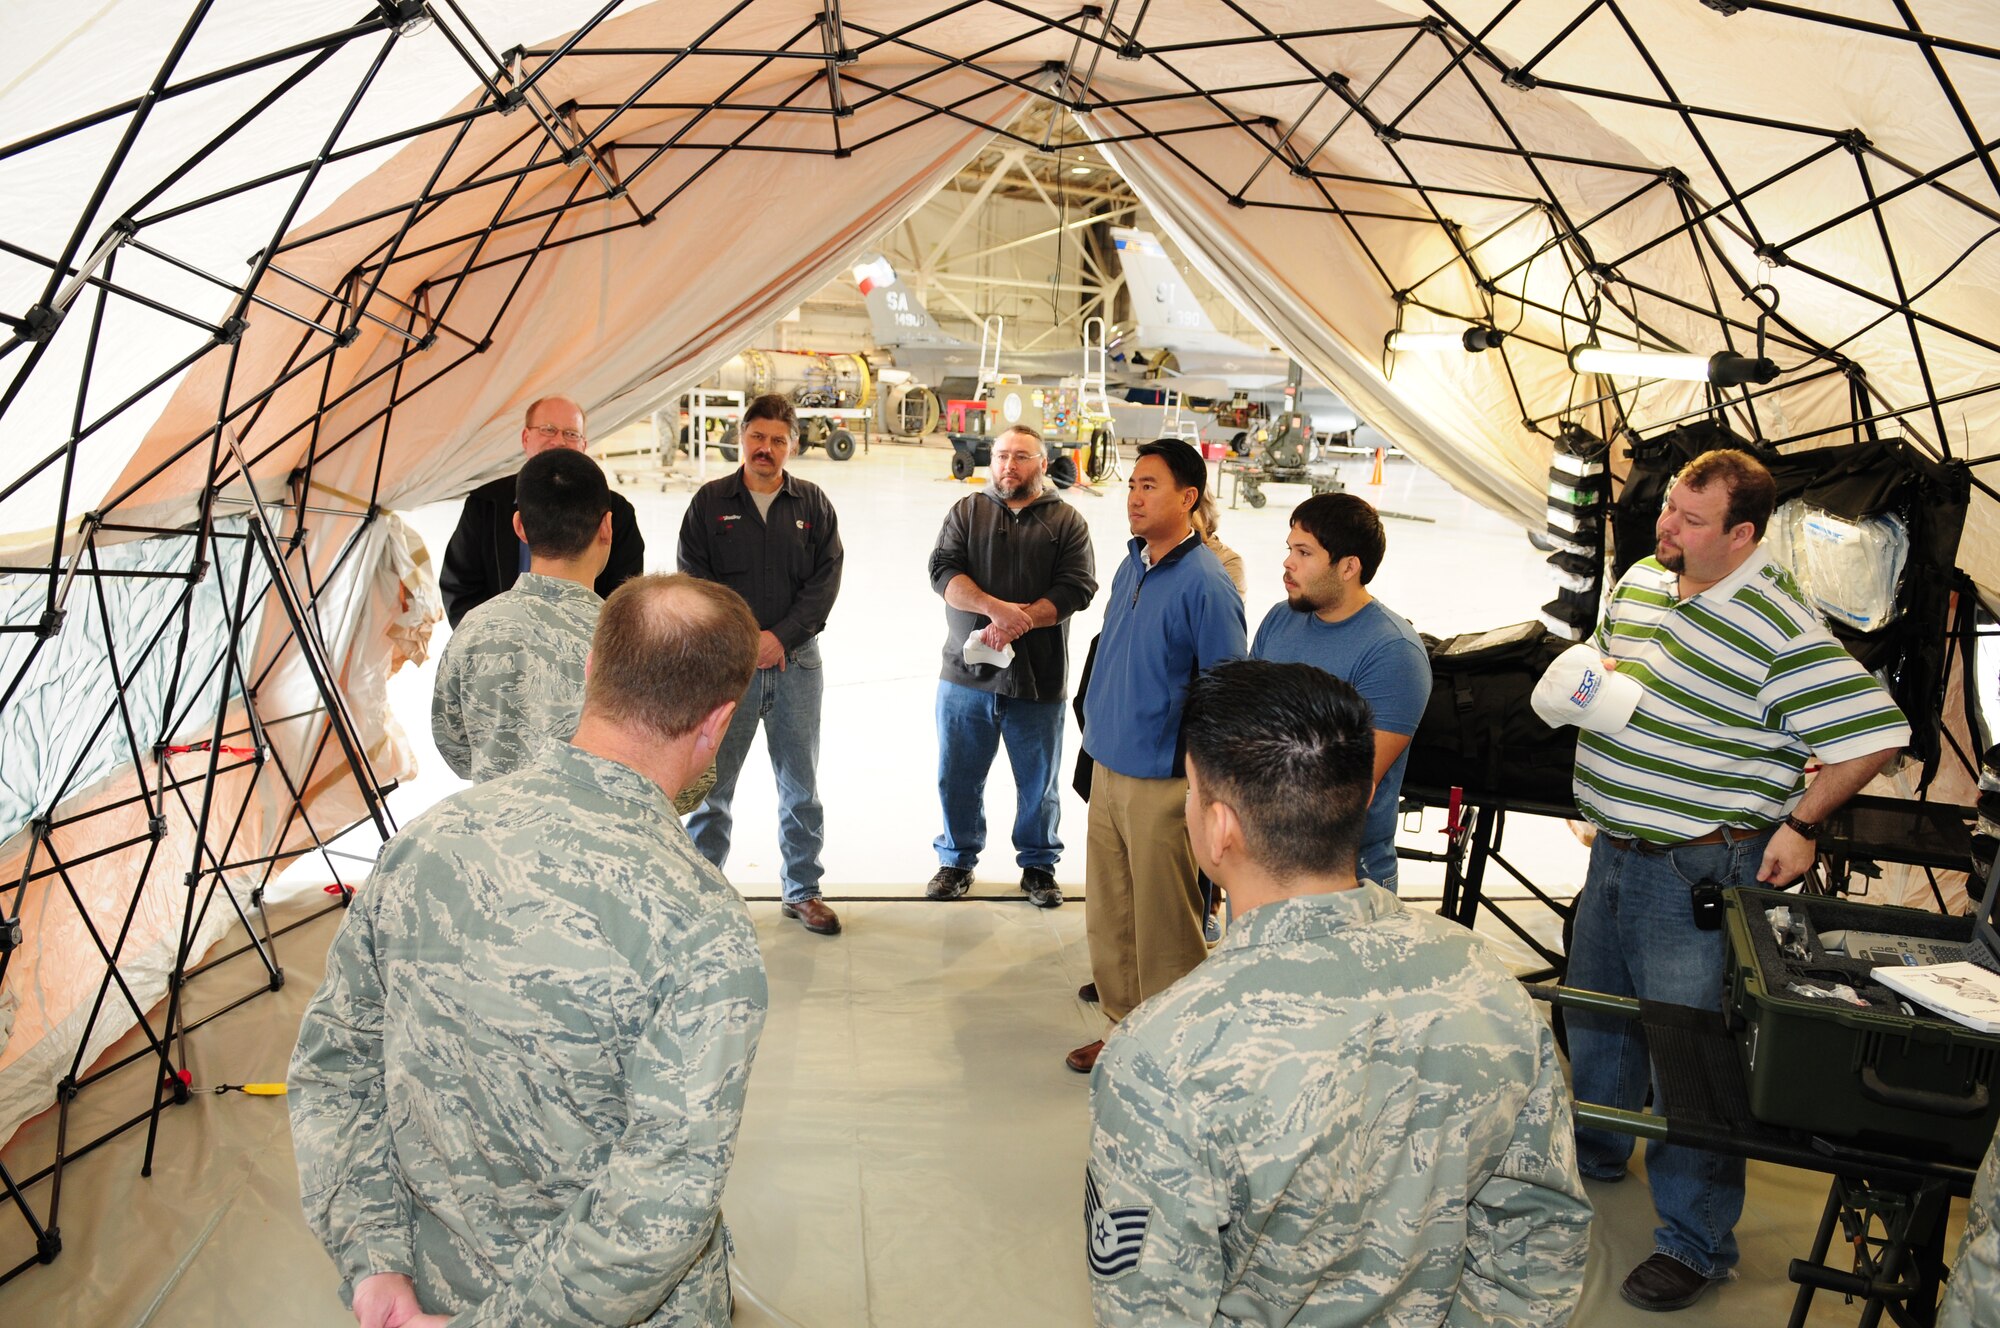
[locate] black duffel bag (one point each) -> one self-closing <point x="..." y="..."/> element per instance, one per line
<point x="1479" y="732"/>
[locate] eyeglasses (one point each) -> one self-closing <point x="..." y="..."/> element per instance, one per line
<point x="550" y="431"/>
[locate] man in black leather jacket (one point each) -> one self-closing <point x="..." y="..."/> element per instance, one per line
<point x="485" y="556"/>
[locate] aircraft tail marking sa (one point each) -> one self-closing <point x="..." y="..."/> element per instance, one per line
<point x="897" y="316"/>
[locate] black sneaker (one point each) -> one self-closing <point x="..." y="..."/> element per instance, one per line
<point x="1041" y="888"/>
<point x="949" y="883"/>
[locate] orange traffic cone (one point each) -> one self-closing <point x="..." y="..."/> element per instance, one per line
<point x="1376" y="477"/>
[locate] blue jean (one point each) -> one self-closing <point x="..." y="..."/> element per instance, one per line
<point x="1377" y="863"/>
<point x="787" y="702"/>
<point x="971" y="725"/>
<point x="1635" y="936"/>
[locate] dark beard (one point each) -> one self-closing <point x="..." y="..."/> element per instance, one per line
<point x="1673" y="562"/>
<point x="1015" y="493"/>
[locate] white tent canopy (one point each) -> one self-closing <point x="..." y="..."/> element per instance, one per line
<point x="344" y="243"/>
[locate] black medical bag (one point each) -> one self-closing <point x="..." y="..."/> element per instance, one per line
<point x="1479" y="733"/>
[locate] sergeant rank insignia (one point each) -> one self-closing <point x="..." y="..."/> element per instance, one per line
<point x="1115" y="1233"/>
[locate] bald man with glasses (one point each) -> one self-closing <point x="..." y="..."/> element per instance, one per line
<point x="486" y="556"/>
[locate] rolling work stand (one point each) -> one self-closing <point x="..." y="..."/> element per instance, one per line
<point x="1814" y="1062"/>
<point x="1865" y="833"/>
<point x="1890" y="1209"/>
<point x="1475" y="832"/>
<point x="1895" y="1110"/>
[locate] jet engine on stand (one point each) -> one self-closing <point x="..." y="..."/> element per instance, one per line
<point x="832" y="393"/>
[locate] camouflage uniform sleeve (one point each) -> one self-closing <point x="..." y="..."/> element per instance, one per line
<point x="1152" y="1223"/>
<point x="691" y="797"/>
<point x="354" y="1200"/>
<point x="1527" y="1229"/>
<point x="655" y="1206"/>
<point x="1975" y="1274"/>
<point x="448" y="714"/>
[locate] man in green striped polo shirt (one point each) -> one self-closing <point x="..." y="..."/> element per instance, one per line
<point x="1742" y="686"/>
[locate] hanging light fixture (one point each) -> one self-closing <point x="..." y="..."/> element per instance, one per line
<point x="1725" y="368"/>
<point x="1472" y="339"/>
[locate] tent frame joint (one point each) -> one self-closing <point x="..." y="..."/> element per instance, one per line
<point x="399" y="14"/>
<point x="39" y="323"/>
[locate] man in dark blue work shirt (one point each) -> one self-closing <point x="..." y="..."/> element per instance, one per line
<point x="773" y="539"/>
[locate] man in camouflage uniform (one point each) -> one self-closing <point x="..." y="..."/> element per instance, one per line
<point x="511" y="678"/>
<point x="1350" y="1112"/>
<point x="515" y="1097"/>
<point x="1973" y="1295"/>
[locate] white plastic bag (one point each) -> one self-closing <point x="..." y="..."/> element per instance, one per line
<point x="1851" y="569"/>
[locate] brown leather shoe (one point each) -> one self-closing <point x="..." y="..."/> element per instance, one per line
<point x="1663" y="1282"/>
<point x="816" y="916"/>
<point x="1084" y="1059"/>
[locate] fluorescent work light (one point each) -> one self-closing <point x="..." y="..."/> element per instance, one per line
<point x="1471" y="339"/>
<point x="1722" y="369"/>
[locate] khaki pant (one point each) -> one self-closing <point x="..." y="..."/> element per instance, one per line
<point x="1142" y="908"/>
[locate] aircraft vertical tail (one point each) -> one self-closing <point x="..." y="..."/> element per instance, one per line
<point x="897" y="316"/>
<point x="1163" y="307"/>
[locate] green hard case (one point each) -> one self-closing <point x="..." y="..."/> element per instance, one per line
<point x="1918" y="1085"/>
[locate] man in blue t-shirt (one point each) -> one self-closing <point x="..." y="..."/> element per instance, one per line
<point x="1329" y="620"/>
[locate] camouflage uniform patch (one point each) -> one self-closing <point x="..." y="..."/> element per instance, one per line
<point x="1972" y="1297"/>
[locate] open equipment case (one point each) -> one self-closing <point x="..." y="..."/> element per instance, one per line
<point x="1892" y="1076"/>
<point x="1895" y="1103"/>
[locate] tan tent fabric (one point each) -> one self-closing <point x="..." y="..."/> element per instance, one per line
<point x="1309" y="288"/>
<point x="614" y="319"/>
<point x="385" y="601"/>
<point x="1596" y="154"/>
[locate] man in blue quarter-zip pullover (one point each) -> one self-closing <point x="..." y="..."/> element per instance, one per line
<point x="1172" y="612"/>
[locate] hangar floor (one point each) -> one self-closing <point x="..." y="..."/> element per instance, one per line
<point x="911" y="1149"/>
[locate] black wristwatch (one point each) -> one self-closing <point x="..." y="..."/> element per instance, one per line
<point x="1803" y="829"/>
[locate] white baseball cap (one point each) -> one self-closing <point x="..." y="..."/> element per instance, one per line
<point x="1579" y="690"/>
<point x="978" y="652"/>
